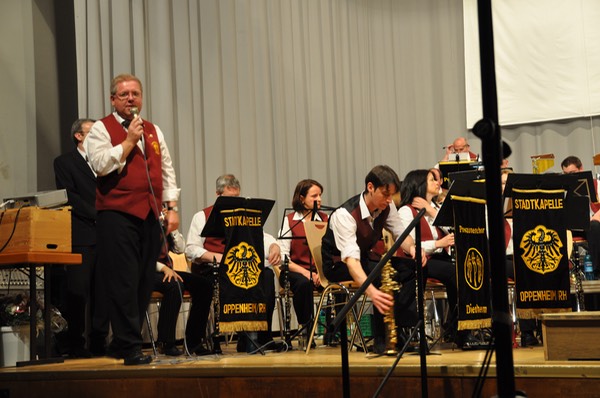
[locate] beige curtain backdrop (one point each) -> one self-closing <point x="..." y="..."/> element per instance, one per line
<point x="276" y="91"/>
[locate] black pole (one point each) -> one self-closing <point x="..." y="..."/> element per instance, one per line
<point x="421" y="309"/>
<point x="488" y="131"/>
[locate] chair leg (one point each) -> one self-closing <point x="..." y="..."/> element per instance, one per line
<point x="280" y="315"/>
<point x="357" y="329"/>
<point x="316" y="320"/>
<point x="151" y="333"/>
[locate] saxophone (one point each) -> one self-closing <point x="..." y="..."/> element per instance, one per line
<point x="390" y="286"/>
<point x="216" y="304"/>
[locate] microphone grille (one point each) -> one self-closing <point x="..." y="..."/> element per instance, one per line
<point x="134" y="111"/>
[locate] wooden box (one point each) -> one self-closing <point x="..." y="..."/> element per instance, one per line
<point x="571" y="335"/>
<point x="36" y="230"/>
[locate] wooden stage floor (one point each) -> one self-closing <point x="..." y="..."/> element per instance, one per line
<point x="451" y="373"/>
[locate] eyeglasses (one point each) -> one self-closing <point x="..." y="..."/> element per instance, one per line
<point x="125" y="94"/>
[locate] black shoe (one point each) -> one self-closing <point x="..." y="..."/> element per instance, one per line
<point x="201" y="350"/>
<point x="170" y="350"/>
<point x="528" y="339"/>
<point x="77" y="353"/>
<point x="466" y="341"/>
<point x="98" y="351"/>
<point x="378" y="345"/>
<point x="137" y="358"/>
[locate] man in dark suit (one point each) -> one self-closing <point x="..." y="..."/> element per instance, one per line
<point x="73" y="286"/>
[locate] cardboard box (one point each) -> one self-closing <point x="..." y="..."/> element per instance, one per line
<point x="36" y="229"/>
<point x="571" y="336"/>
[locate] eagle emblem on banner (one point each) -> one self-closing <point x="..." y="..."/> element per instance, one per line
<point x="474" y="269"/>
<point x="242" y="266"/>
<point x="541" y="249"/>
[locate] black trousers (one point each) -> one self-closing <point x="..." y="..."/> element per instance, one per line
<point x="339" y="273"/>
<point x="73" y="295"/>
<point x="302" y="288"/>
<point x="128" y="248"/>
<point x="200" y="288"/>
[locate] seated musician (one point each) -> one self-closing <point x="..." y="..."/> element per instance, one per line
<point x="302" y="275"/>
<point x="459" y="145"/>
<point x="172" y="284"/>
<point x="201" y="251"/>
<point x="353" y="230"/>
<point x="417" y="192"/>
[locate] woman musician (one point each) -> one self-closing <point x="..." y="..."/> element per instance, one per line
<point x="302" y="275"/>
<point x="418" y="190"/>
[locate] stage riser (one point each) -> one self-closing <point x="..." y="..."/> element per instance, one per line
<point x="288" y="387"/>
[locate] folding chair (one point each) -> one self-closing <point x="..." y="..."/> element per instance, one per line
<point x="314" y="233"/>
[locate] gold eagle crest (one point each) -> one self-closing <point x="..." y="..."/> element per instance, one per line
<point x="474" y="268"/>
<point x="242" y="266"/>
<point x="541" y="249"/>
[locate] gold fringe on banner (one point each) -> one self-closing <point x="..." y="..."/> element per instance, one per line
<point x="243" y="326"/>
<point x="534" y="313"/>
<point x="475" y="324"/>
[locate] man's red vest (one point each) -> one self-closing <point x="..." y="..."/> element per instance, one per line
<point x="129" y="190"/>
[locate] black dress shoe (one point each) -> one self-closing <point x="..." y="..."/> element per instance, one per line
<point x="77" y="353"/>
<point x="201" y="350"/>
<point x="466" y="341"/>
<point x="170" y="350"/>
<point x="528" y="339"/>
<point x="137" y="358"/>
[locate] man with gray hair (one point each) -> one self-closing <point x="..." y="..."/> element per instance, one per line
<point x="201" y="251"/>
<point x="73" y="285"/>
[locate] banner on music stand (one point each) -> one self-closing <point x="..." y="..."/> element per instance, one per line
<point x="472" y="263"/>
<point x="540" y="258"/>
<point x="242" y="297"/>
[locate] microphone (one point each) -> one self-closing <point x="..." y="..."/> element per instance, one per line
<point x="314" y="211"/>
<point x="135" y="112"/>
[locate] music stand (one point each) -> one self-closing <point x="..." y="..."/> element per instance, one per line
<point x="448" y="167"/>
<point x="215" y="224"/>
<point x="577" y="205"/>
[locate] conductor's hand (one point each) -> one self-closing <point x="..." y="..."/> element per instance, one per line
<point x="172" y="221"/>
<point x="274" y="254"/>
<point x="382" y="301"/>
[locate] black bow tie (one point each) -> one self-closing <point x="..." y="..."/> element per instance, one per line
<point x="126" y="123"/>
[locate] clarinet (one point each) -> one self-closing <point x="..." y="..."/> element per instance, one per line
<point x="288" y="304"/>
<point x="216" y="304"/>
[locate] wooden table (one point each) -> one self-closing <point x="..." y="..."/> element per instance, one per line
<point x="32" y="260"/>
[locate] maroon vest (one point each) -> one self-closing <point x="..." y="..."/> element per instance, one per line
<point x="299" y="251"/>
<point x="366" y="237"/>
<point x="129" y="191"/>
<point x="212" y="244"/>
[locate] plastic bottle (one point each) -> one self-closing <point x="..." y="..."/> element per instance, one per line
<point x="588" y="268"/>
